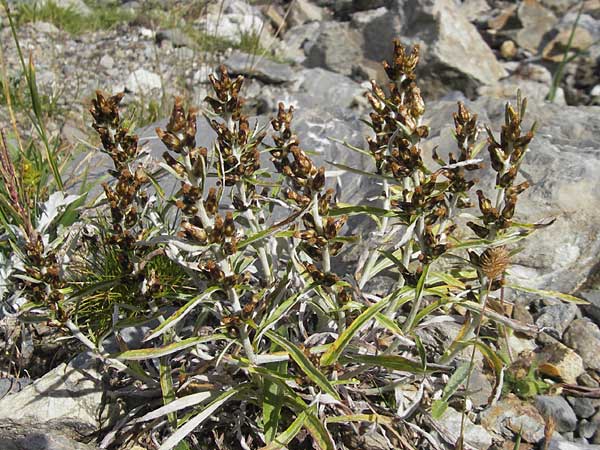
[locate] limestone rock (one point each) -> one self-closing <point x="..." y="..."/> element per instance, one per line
<point x="303" y="11"/>
<point x="559" y="408"/>
<point x="559" y="361"/>
<point x="511" y="415"/>
<point x="475" y="435"/>
<point x="583" y="336"/>
<point x="142" y="81"/>
<point x="536" y="22"/>
<point x="454" y="54"/>
<point x="263" y="69"/>
<point x="36" y="437"/>
<point x="337" y="48"/>
<point x="68" y="399"/>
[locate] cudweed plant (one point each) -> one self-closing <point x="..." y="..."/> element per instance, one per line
<point x="256" y="339"/>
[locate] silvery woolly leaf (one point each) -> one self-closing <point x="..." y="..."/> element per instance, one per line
<point x="53" y="207"/>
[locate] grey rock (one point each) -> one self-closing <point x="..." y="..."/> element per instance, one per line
<point x="12" y="385"/>
<point x="559" y="443"/>
<point x="107" y="62"/>
<point x="537" y="22"/>
<point x="557" y="317"/>
<point x="337" y="48"/>
<point x="320" y="88"/>
<point x="559" y="408"/>
<point x="143" y="81"/>
<point x="68" y="399"/>
<point x="176" y="36"/>
<point x="584" y="407"/>
<point x="559" y="6"/>
<point x="512" y="415"/>
<point x="303" y="11"/>
<point x="262" y="69"/>
<point x="475" y="10"/>
<point x="36" y="437"/>
<point x="454" y="53"/>
<point x="583" y="336"/>
<point x="592" y="295"/>
<point x="45" y="28"/>
<point x="231" y="26"/>
<point x="78" y="6"/>
<point x="364" y="5"/>
<point x="585" y="379"/>
<point x="299" y="39"/>
<point x="475" y="435"/>
<point x="587" y="429"/>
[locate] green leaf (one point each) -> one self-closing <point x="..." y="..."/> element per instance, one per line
<point x="422" y="353"/>
<point x="273" y="398"/>
<point x="373" y="418"/>
<point x="166" y="386"/>
<point x="281" y="441"/>
<point x="438" y="408"/>
<point x="277" y="314"/>
<point x="319" y="433"/>
<point x="350" y="210"/>
<point x="551" y="294"/>
<point x="195" y="422"/>
<point x="157" y="352"/>
<point x="306" y="419"/>
<point x="307" y="367"/>
<point x="180" y="313"/>
<point x="336" y="348"/>
<point x="458" y="377"/>
<point x="393" y="362"/>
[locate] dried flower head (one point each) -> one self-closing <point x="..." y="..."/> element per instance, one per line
<point x="494" y="261"/>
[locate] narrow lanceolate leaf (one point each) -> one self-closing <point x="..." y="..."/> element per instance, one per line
<point x="335" y="350"/>
<point x="350" y="210"/>
<point x="307" y="367"/>
<point x="157" y="352"/>
<point x="393" y="362"/>
<point x="273" y="400"/>
<point x="283" y="439"/>
<point x="458" y="377"/>
<point x="321" y="437"/>
<point x="373" y="418"/>
<point x="193" y="423"/>
<point x="552" y="294"/>
<point x="180" y="313"/>
<point x="176" y="405"/>
<point x="309" y="420"/>
<point x="280" y="312"/>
